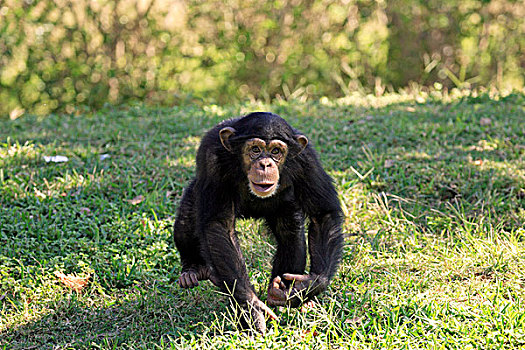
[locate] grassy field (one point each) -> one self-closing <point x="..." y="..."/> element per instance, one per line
<point x="434" y="197"/>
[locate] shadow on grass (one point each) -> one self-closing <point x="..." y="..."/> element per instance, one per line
<point x="144" y="315"/>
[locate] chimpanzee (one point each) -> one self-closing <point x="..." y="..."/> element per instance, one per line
<point x="258" y="166"/>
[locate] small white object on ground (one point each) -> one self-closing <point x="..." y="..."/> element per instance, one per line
<point x="56" y="159"/>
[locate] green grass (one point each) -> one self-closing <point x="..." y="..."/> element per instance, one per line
<point x="433" y="189"/>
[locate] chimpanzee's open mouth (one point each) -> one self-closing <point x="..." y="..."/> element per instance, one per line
<point x="263" y="187"/>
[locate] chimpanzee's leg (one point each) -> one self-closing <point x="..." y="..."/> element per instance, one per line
<point x="194" y="267"/>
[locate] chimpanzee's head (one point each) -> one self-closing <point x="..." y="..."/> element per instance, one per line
<point x="263" y="141"/>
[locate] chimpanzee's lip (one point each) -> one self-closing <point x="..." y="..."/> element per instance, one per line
<point x="263" y="186"/>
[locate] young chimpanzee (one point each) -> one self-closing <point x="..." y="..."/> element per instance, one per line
<point x="259" y="166"/>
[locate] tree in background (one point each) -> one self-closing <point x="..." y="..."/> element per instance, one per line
<point x="58" y="54"/>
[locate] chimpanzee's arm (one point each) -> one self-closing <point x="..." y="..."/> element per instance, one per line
<point x="325" y="241"/>
<point x="216" y="225"/>
<point x="325" y="238"/>
<point x="318" y="198"/>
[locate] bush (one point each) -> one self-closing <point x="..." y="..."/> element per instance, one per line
<point x="58" y="54"/>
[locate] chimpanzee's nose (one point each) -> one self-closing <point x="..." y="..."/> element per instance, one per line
<point x="265" y="163"/>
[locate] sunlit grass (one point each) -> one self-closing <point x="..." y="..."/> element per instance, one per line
<point x="434" y="200"/>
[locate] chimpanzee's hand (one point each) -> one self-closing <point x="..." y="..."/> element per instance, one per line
<point x="299" y="291"/>
<point x="190" y="277"/>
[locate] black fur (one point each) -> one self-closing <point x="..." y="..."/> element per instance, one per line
<point x="204" y="229"/>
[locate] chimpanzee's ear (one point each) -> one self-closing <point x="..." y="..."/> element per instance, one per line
<point x="225" y="134"/>
<point x="303" y="141"/>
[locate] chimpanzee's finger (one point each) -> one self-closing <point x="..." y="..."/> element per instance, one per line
<point x="187" y="280"/>
<point x="294" y="277"/>
<point x="182" y="281"/>
<point x="194" y="280"/>
<point x="277" y="283"/>
<point x="268" y="311"/>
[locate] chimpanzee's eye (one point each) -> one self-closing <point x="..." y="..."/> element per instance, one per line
<point x="256" y="149"/>
<point x="276" y="151"/>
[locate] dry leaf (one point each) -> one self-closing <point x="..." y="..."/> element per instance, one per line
<point x="84" y="211"/>
<point x="74" y="282"/>
<point x="308" y="331"/>
<point x="136" y="200"/>
<point x="485" y="121"/>
<point x="40" y="194"/>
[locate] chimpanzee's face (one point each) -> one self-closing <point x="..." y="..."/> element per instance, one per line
<point x="262" y="163"/>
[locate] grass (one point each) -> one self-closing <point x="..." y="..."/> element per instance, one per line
<point x="433" y="190"/>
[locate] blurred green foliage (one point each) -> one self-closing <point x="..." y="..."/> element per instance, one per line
<point x="57" y="54"/>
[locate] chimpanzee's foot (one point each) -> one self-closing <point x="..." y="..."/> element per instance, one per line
<point x="280" y="295"/>
<point x="190" y="277"/>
